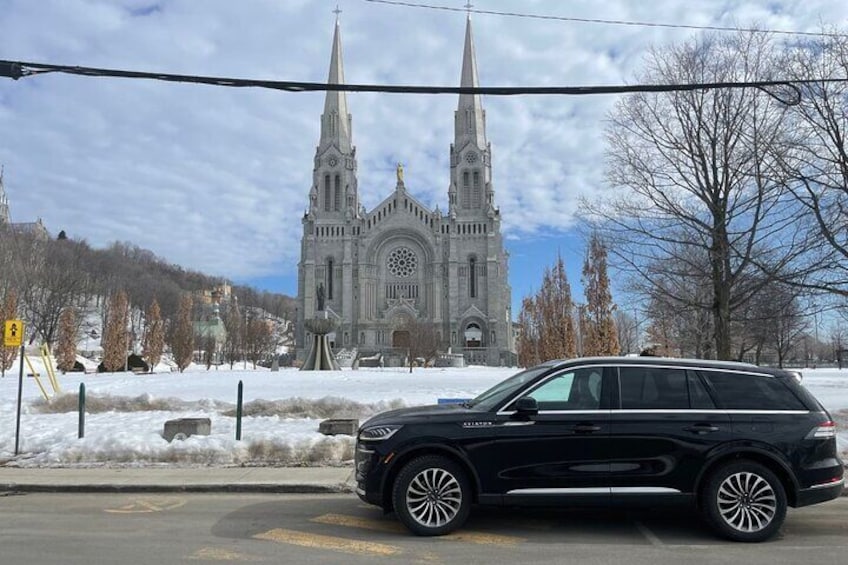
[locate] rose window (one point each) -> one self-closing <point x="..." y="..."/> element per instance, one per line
<point x="402" y="262"/>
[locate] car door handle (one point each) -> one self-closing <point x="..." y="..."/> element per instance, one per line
<point x="702" y="429"/>
<point x="586" y="428"/>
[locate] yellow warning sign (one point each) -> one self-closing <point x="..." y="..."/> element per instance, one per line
<point x="14" y="334"/>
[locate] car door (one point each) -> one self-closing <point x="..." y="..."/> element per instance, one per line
<point x="662" y="430"/>
<point x="560" y="451"/>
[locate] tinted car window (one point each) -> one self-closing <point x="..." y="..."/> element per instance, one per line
<point x="572" y="390"/>
<point x="737" y="391"/>
<point x="653" y="388"/>
<point x="699" y="398"/>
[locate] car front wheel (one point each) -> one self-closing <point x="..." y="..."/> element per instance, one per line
<point x="432" y="496"/>
<point x="744" y="501"/>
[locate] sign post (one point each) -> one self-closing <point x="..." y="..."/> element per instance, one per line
<point x="13" y="336"/>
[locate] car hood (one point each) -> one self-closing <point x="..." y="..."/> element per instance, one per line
<point x="418" y="414"/>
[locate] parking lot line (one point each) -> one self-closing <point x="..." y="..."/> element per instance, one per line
<point x="481" y="538"/>
<point x="649" y="535"/>
<point x="330" y="543"/>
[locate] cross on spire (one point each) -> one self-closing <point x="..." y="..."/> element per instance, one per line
<point x="468" y="6"/>
<point x="337" y="11"/>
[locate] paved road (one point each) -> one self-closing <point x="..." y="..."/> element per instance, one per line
<point x="87" y="529"/>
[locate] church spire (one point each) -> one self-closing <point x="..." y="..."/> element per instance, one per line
<point x="336" y="121"/>
<point x="470" y="120"/>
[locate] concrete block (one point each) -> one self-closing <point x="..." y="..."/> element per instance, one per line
<point x="339" y="426"/>
<point x="184" y="427"/>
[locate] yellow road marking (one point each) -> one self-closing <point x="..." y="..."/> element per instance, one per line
<point x="144" y="506"/>
<point x="219" y="554"/>
<point x="331" y="543"/>
<point x="481" y="538"/>
<point x="362" y="523"/>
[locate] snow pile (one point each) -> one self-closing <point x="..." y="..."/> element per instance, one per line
<point x="126" y="413"/>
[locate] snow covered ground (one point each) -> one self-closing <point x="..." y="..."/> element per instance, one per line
<point x="126" y="413"/>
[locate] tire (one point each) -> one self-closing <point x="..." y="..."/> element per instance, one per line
<point x="744" y="501"/>
<point x="432" y="496"/>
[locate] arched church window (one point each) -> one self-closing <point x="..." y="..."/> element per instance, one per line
<point x="472" y="278"/>
<point x="466" y="190"/>
<point x="327" y="194"/>
<point x="330" y="278"/>
<point x="337" y="204"/>
<point x="475" y="195"/>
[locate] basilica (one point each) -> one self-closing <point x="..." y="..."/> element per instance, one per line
<point x="379" y="273"/>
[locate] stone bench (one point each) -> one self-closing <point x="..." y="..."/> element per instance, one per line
<point x="184" y="427"/>
<point x="339" y="426"/>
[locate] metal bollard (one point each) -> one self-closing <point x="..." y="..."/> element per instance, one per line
<point x="81" y="433"/>
<point x="238" y="410"/>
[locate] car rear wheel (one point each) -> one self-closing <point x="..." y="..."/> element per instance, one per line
<point x="432" y="496"/>
<point x="744" y="501"/>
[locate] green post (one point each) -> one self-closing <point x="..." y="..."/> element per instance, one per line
<point x="81" y="433"/>
<point x="20" y="391"/>
<point x="238" y="410"/>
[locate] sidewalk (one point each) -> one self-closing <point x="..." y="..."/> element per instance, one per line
<point x="179" y="479"/>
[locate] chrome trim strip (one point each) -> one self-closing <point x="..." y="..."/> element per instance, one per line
<point x="521" y="423"/>
<point x="741" y="370"/>
<point x="645" y="490"/>
<point x="597" y="490"/>
<point x="580" y="490"/>
<point x="840" y="482"/>
<point x="703" y="411"/>
<point x="605" y="412"/>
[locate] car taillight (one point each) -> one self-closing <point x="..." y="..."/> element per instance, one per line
<point x="826" y="430"/>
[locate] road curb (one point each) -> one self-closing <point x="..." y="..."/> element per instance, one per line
<point x="212" y="488"/>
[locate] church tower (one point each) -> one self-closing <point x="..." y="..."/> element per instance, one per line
<point x="391" y="274"/>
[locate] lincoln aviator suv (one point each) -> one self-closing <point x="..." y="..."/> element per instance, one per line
<point x="739" y="441"/>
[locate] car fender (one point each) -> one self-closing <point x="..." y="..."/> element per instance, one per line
<point x="763" y="450"/>
<point x="429" y="445"/>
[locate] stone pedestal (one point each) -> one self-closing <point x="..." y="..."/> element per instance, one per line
<point x="320" y="356"/>
<point x="185" y="427"/>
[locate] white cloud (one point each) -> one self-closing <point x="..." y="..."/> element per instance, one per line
<point x="217" y="179"/>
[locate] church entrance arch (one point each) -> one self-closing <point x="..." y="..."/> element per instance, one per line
<point x="473" y="335"/>
<point x="400" y="339"/>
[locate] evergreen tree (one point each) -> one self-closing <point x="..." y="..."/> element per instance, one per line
<point x="153" y="342"/>
<point x="66" y="352"/>
<point x="600" y="336"/>
<point x="9" y="312"/>
<point x="115" y="336"/>
<point x="182" y="341"/>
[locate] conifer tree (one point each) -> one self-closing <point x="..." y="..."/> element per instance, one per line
<point x="600" y="336"/>
<point x="546" y="320"/>
<point x="115" y="336"/>
<point x="153" y="342"/>
<point x="182" y="340"/>
<point x="9" y="312"/>
<point x="66" y="351"/>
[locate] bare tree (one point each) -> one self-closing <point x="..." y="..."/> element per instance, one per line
<point x="233" y="347"/>
<point x="627" y="328"/>
<point x="258" y="340"/>
<point x="424" y="341"/>
<point x="818" y="165"/>
<point x="699" y="174"/>
<point x="182" y="338"/>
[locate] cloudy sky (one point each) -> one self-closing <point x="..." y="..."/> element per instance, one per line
<point x="216" y="179"/>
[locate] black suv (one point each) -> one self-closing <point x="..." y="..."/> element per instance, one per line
<point x="742" y="442"/>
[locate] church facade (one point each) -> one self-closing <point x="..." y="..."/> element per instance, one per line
<point x="380" y="272"/>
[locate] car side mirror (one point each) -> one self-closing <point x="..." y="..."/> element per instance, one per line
<point x="526" y="406"/>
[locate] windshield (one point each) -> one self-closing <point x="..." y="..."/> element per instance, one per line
<point x="505" y="389"/>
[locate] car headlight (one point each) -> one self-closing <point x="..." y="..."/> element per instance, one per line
<point x="378" y="433"/>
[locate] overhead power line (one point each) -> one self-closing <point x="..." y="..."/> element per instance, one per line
<point x="597" y="20"/>
<point x="782" y="90"/>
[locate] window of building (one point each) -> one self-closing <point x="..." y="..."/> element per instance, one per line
<point x="327" y="194"/>
<point x="475" y="195"/>
<point x="472" y="284"/>
<point x="337" y="205"/>
<point x="330" y="278"/>
<point x="466" y="190"/>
